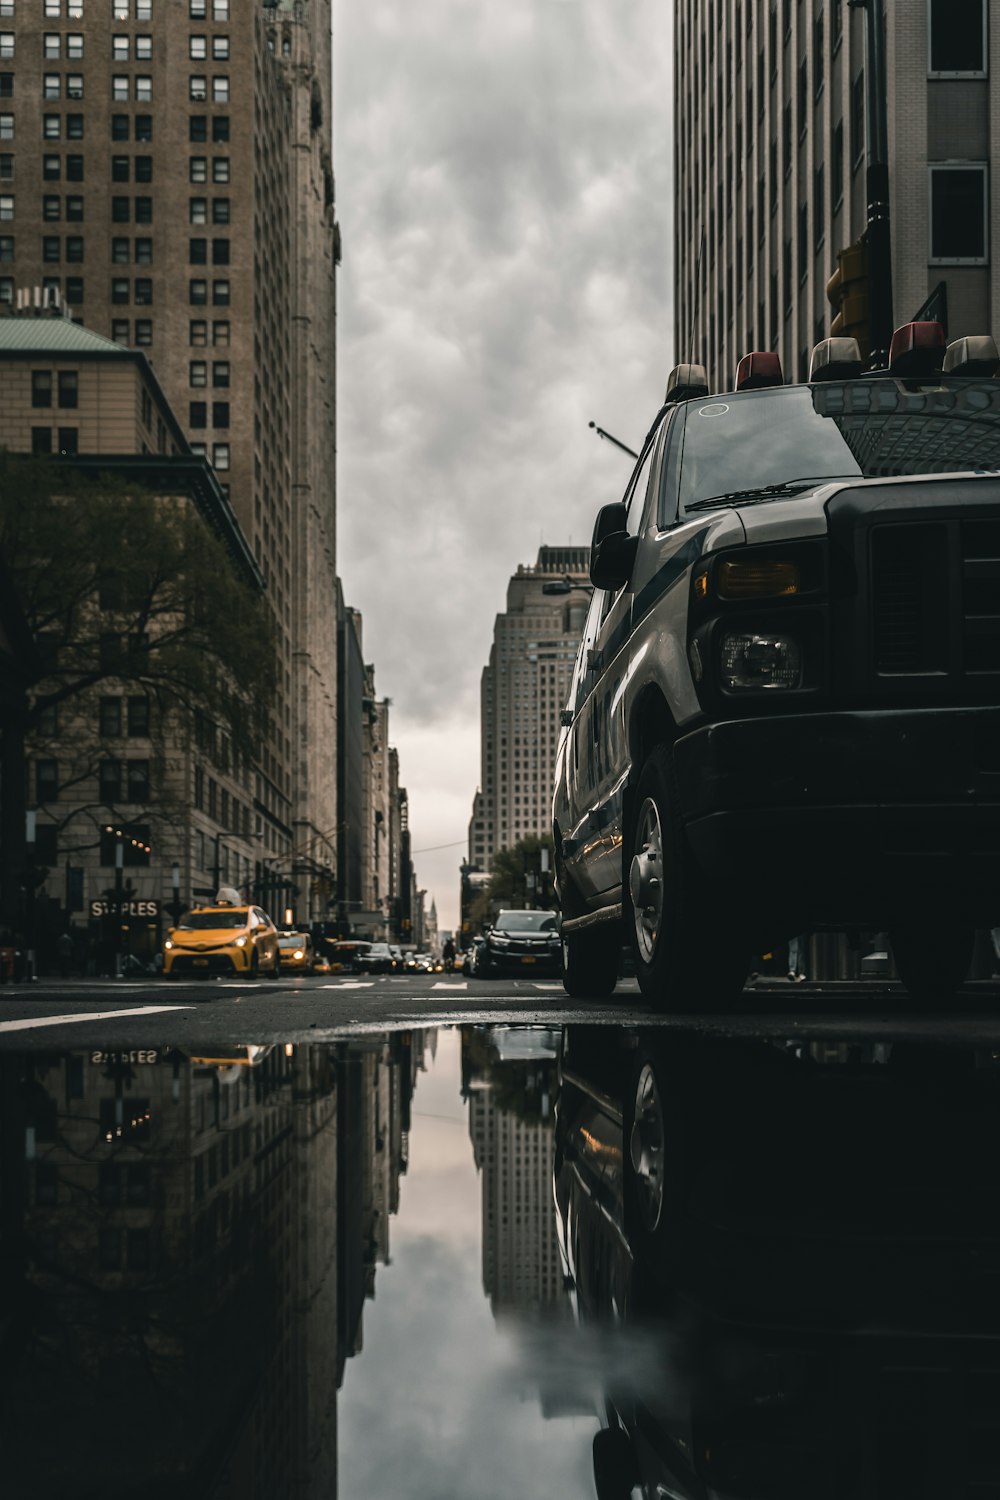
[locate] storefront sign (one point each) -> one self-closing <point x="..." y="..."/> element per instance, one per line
<point x="137" y="1055"/>
<point x="128" y="908"/>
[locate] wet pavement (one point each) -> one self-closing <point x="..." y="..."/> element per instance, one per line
<point x="490" y="1260"/>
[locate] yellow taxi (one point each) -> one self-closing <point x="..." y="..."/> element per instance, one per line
<point x="227" y="937"/>
<point x="295" y="952"/>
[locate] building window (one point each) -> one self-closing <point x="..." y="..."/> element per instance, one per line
<point x="220" y="333"/>
<point x="198" y="48"/>
<point x="74" y="169"/>
<point x="143" y="89"/>
<point x="41" y="440"/>
<point x="110" y="781"/>
<point x="51" y="208"/>
<point x="198" y="169"/>
<point x="69" y="388"/>
<point x="958" y="198"/>
<point x="6" y="248"/>
<point x="220" y="373"/>
<point x="220" y="252"/>
<point x="220" y="413"/>
<point x="198" y="252"/>
<point x="41" y="388"/>
<point x="46" y="780"/>
<point x="120" y="48"/>
<point x="119" y="127"/>
<point x="220" y="168"/>
<point x="51" y="127"/>
<point x="220" y="10"/>
<point x="197" y="414"/>
<point x="956" y="38"/>
<point x="144" y="210"/>
<point x="220" y="48"/>
<point x="74" y="247"/>
<point x="144" y="127"/>
<point x="143" y="167"/>
<point x="143" y="49"/>
<point x="68" y="441"/>
<point x="143" y="291"/>
<point x="220" y="210"/>
<point x="74" y="127"/>
<point x="51" y="168"/>
<point x="120" y="168"/>
<point x="220" y="88"/>
<point x="74" y="291"/>
<point x="198" y="210"/>
<point x="197" y="128"/>
<point x="74" y="46"/>
<point x="119" y="330"/>
<point x="197" y="293"/>
<point x="51" y="87"/>
<point x="220" y="456"/>
<point x="138" y="717"/>
<point x="137" y="779"/>
<point x="74" y="86"/>
<point x="197" y="372"/>
<point x="198" y="88"/>
<point x="144" y="252"/>
<point x="74" y="209"/>
<point x="119" y="88"/>
<point x="50" y="247"/>
<point x="220" y="293"/>
<point x="197" y="332"/>
<point x="220" y="128"/>
<point x="143" y="332"/>
<point x="121" y="209"/>
<point x="119" y="291"/>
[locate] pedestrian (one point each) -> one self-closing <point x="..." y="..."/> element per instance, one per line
<point x="797" y="958"/>
<point x="64" y="953"/>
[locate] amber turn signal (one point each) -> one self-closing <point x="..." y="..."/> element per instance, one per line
<point x="763" y="579"/>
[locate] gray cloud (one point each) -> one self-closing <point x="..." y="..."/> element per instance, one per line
<point x="503" y="181"/>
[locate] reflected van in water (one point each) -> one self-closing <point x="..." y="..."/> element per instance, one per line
<point x="498" y="1261"/>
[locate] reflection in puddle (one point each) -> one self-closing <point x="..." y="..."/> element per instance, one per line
<point x="441" y="1263"/>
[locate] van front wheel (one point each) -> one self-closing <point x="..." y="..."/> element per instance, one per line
<point x="686" y="958"/>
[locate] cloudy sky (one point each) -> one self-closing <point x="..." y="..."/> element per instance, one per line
<point x="503" y="189"/>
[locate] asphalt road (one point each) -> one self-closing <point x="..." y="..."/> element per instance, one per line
<point x="56" y="1015"/>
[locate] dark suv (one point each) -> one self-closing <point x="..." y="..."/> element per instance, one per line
<point x="521" y="942"/>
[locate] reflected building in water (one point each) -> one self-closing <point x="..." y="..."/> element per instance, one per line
<point x="510" y="1124"/>
<point x="186" y="1246"/>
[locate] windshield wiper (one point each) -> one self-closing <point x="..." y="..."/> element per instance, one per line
<point x="765" y="491"/>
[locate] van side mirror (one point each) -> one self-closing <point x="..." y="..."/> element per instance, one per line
<point x="612" y="561"/>
<point x="610" y="518"/>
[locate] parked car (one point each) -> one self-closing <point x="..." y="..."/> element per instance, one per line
<point x="519" y="942"/>
<point x="791" y="655"/>
<point x="377" y="960"/>
<point x="343" y="953"/>
<point x="224" y="938"/>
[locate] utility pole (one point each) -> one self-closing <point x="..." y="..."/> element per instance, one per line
<point x="877" y="234"/>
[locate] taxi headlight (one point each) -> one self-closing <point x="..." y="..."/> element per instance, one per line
<point x="168" y="944"/>
<point x="758" y="662"/>
<point x="241" y="942"/>
<point x="297" y="953"/>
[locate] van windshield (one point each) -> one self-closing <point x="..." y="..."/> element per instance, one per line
<point x="765" y="445"/>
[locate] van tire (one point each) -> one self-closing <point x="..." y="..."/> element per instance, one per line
<point x="686" y="959"/>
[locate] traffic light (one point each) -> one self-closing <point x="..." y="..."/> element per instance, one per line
<point x="847" y="292"/>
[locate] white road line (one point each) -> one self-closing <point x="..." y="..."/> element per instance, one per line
<point x="445" y="984"/>
<point x="92" y="1015"/>
<point x="347" y="984"/>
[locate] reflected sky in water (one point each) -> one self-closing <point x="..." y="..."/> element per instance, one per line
<point x="464" y="1403"/>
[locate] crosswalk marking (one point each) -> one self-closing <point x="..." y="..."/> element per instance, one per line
<point x="450" y="984"/>
<point x="93" y="1015"/>
<point x="348" y="984"/>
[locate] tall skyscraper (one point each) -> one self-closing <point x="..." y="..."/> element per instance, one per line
<point x="523" y="691"/>
<point x="166" y="170"/>
<point x="770" y="152"/>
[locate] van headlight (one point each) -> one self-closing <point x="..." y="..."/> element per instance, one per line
<point x="241" y="942"/>
<point x="753" y="662"/>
